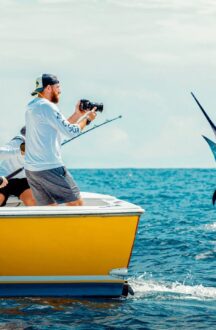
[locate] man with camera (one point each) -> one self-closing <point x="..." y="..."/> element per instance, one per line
<point x="12" y="159"/>
<point x="50" y="181"/>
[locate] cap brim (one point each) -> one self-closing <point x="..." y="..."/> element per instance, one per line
<point x="36" y="91"/>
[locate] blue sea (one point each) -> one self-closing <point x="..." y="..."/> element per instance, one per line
<point x="173" y="265"/>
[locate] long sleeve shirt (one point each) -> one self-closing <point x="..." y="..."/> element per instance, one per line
<point x="11" y="158"/>
<point x="45" y="126"/>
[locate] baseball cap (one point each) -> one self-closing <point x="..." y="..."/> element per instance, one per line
<point x="43" y="81"/>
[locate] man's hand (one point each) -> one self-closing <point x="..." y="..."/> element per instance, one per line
<point x="76" y="117"/>
<point x="78" y="111"/>
<point x="77" y="114"/>
<point x="91" y="115"/>
<point x="3" y="181"/>
<point x="90" y="112"/>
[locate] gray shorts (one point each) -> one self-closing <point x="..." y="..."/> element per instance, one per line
<point x="53" y="186"/>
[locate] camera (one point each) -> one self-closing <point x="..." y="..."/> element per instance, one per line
<point x="87" y="105"/>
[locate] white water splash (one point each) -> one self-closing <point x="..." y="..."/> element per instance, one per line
<point x="206" y="255"/>
<point x="210" y="227"/>
<point x="143" y="287"/>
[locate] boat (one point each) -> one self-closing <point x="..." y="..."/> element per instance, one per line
<point x="63" y="251"/>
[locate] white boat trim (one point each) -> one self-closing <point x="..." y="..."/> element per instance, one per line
<point x="11" y="212"/>
<point x="59" y="279"/>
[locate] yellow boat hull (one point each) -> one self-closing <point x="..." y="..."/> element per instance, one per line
<point x="65" y="255"/>
<point x="66" y="245"/>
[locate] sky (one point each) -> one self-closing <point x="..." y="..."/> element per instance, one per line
<point x="141" y="58"/>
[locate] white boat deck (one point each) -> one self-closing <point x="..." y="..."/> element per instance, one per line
<point x="94" y="204"/>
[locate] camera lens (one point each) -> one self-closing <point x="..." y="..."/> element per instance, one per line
<point x="87" y="105"/>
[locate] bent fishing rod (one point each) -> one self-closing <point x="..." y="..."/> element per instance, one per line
<point x="11" y="175"/>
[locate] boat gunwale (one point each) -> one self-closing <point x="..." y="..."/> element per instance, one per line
<point x="46" y="214"/>
<point x="113" y="207"/>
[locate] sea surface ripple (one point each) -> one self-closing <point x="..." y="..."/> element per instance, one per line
<point x="172" y="270"/>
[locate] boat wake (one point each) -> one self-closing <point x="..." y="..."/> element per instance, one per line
<point x="151" y="288"/>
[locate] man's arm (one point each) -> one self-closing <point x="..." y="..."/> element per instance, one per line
<point x="4" y="182"/>
<point x="69" y="128"/>
<point x="76" y="117"/>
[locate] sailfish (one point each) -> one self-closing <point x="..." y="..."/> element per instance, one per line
<point x="211" y="144"/>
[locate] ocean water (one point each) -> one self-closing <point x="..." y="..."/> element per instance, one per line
<point x="173" y="265"/>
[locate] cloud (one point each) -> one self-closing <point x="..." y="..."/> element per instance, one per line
<point x="138" y="57"/>
<point x="165" y="4"/>
<point x="179" y="141"/>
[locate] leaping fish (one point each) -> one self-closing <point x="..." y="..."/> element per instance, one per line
<point x="211" y="144"/>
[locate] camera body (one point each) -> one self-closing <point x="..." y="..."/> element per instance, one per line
<point x="87" y="105"/>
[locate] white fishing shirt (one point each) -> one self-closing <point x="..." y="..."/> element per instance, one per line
<point x="45" y="126"/>
<point x="11" y="158"/>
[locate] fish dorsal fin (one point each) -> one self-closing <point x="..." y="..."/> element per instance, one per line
<point x="212" y="145"/>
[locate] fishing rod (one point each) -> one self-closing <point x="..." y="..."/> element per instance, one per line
<point x="9" y="176"/>
<point x="90" y="129"/>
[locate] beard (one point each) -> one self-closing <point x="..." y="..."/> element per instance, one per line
<point x="55" y="97"/>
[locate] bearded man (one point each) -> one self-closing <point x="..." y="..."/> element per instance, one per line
<point x="47" y="176"/>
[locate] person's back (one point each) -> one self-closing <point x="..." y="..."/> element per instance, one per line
<point x="43" y="138"/>
<point x="11" y="158"/>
